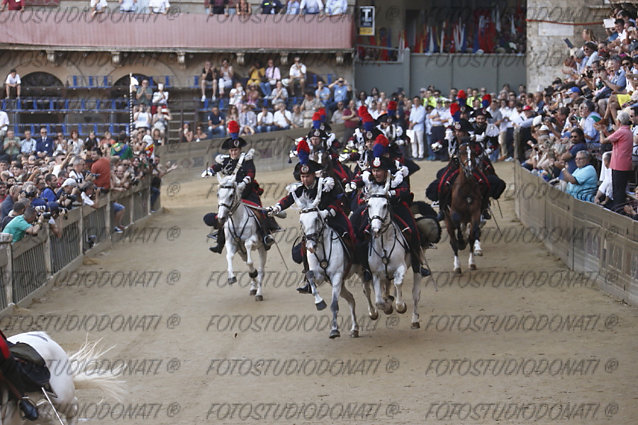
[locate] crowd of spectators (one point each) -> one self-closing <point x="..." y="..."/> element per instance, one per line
<point x="269" y="99"/>
<point x="583" y="130"/>
<point x="43" y="177"/>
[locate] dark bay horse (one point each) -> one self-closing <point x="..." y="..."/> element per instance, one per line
<point x="464" y="208"/>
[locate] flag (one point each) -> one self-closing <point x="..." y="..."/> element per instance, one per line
<point x="134" y="83"/>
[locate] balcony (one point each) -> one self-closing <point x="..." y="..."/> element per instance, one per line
<point x="72" y="29"/>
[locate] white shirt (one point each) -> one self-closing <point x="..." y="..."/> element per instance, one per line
<point x="311" y="6"/>
<point x="297" y="70"/>
<point x="75" y="146"/>
<point x="280" y="118"/>
<point x="160" y="97"/>
<point x="266" y="119"/>
<point x="336" y="7"/>
<point x="4" y="120"/>
<point x="159" y="6"/>
<point x="27" y="145"/>
<point x="417" y="116"/>
<point x="86" y="200"/>
<point x="13" y="80"/>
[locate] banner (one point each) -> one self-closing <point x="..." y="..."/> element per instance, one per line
<point x="366" y="20"/>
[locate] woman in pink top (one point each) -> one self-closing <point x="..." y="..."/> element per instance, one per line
<point x="621" y="167"/>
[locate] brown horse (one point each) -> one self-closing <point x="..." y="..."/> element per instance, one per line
<point x="464" y="208"/>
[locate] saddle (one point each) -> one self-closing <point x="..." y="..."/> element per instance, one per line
<point x="32" y="366"/>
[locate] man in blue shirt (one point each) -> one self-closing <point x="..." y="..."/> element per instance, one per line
<point x="44" y="144"/>
<point x="216" y="123"/>
<point x="340" y="93"/>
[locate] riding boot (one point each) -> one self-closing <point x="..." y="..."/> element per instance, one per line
<point x="485" y="205"/>
<point x="306" y="288"/>
<point x="443" y="203"/>
<point x="221" y="240"/>
<point x="12" y="373"/>
<point x="269" y="226"/>
<point x="362" y="254"/>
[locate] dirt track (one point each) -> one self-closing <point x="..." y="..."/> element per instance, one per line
<point x="503" y="344"/>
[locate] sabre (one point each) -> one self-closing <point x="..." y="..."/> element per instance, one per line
<point x="495" y="222"/>
<point x="281" y="255"/>
<point x="499" y="207"/>
<point x="52" y="406"/>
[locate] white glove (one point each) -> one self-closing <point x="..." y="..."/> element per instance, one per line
<point x="392" y="192"/>
<point x="479" y="137"/>
<point x="404" y="170"/>
<point x="275" y="209"/>
<point x="219" y="159"/>
<point x="328" y="184"/>
<point x="241" y="186"/>
<point x="247" y="180"/>
<point x="350" y="187"/>
<point x="488" y="151"/>
<point x="343" y="157"/>
<point x="324" y="214"/>
<point x="397" y="180"/>
<point x="436" y="146"/>
<point x="208" y="173"/>
<point x="400" y="142"/>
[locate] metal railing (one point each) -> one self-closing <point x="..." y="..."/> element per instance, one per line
<point x="32" y="262"/>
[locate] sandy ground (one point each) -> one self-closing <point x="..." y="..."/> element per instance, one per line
<point x="503" y="344"/>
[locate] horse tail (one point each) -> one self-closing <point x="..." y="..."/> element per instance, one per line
<point x="104" y="380"/>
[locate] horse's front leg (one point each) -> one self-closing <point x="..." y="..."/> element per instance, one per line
<point x="454" y="244"/>
<point x="474" y="241"/>
<point x="416" y="296"/>
<point x="337" y="282"/>
<point x="231" y="249"/>
<point x="347" y="295"/>
<point x="379" y="293"/>
<point x="372" y="310"/>
<point x="398" y="277"/>
<point x="259" y="274"/>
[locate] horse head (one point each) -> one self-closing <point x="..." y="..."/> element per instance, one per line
<point x="310" y="218"/>
<point x="378" y="206"/>
<point x="467" y="160"/>
<point x="228" y="197"/>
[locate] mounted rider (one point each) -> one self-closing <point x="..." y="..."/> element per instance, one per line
<point x="400" y="199"/>
<point x="241" y="165"/>
<point x="439" y="189"/>
<point x="12" y="375"/>
<point x="330" y="206"/>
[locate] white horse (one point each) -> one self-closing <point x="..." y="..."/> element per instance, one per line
<point x="388" y="257"/>
<point x="241" y="228"/>
<point x="327" y="258"/>
<point x="66" y="377"/>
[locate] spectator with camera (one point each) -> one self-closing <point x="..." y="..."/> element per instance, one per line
<point x="68" y="194"/>
<point x="18" y="209"/>
<point x="144" y="94"/>
<point x="27" y="223"/>
<point x="12" y="197"/>
<point x="161" y="119"/>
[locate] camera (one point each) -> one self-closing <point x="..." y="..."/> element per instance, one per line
<point x="589" y="73"/>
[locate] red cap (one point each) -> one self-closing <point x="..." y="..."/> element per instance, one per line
<point x="316" y="116"/>
<point x="454" y="108"/>
<point x="461" y="94"/>
<point x="362" y="111"/>
<point x="367" y="117"/>
<point x="527" y="108"/>
<point x="487" y="98"/>
<point x="392" y="105"/>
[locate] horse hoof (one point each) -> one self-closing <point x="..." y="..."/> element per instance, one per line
<point x="390" y="298"/>
<point x="259" y="297"/>
<point x="457" y="270"/>
<point x="321" y="305"/>
<point x="232" y="280"/>
<point x="253" y="292"/>
<point x="334" y="334"/>
<point x="388" y="310"/>
<point x="354" y="334"/>
<point x="472" y="266"/>
<point x="478" y="253"/>
<point x="403" y="309"/>
<point x="415" y="325"/>
<point x="374" y="316"/>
